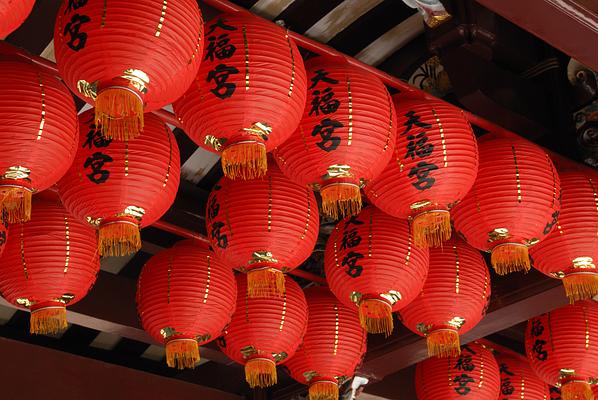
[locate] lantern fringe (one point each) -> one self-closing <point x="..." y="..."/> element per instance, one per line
<point x="340" y="200"/>
<point x="577" y="391"/>
<point x="119" y="113"/>
<point x="431" y="228"/>
<point x="581" y="286"/>
<point x="17" y="203"/>
<point x="260" y="372"/>
<point x="510" y="257"/>
<point x="245" y="160"/>
<point x="119" y="239"/>
<point x="443" y="343"/>
<point x="265" y="282"/>
<point x="376" y="316"/>
<point x="182" y="353"/>
<point x="48" y="321"/>
<point x="323" y="391"/>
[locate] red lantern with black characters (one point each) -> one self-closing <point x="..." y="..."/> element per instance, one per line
<point x="562" y="349"/>
<point x="371" y="264"/>
<point x="120" y="187"/>
<point x="185" y="298"/>
<point x="249" y="94"/>
<point x="49" y="262"/>
<point x="12" y="14"/>
<point x="518" y="381"/>
<point x="346" y="137"/>
<point x="332" y="347"/>
<point x="513" y="204"/>
<point x="265" y="331"/>
<point x="128" y="57"/>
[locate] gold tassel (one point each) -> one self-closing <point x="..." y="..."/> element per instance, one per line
<point x="376" y="316"/>
<point x="340" y="200"/>
<point x="581" y="286"/>
<point x="323" y="390"/>
<point x="265" y="282"/>
<point x="245" y="160"/>
<point x="16" y="200"/>
<point x="443" y="343"/>
<point x="119" y="113"/>
<point x="119" y="238"/>
<point x="510" y="257"/>
<point x="260" y="372"/>
<point x="182" y="353"/>
<point x="577" y="391"/>
<point x="431" y="228"/>
<point x="48" y="320"/>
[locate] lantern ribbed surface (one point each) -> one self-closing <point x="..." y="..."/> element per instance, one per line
<point x="38" y="133"/>
<point x="122" y="186"/>
<point x="12" y="14"/>
<point x="249" y="94"/>
<point x="453" y="299"/>
<point x="265" y="331"/>
<point x="372" y="264"/>
<point x="570" y="252"/>
<point x="185" y="298"/>
<point x="473" y="375"/>
<point x="561" y="348"/>
<point x="128" y="57"/>
<point x="333" y="346"/>
<point x="434" y="165"/>
<point x="49" y="262"/>
<point x="513" y="204"/>
<point x="345" y="138"/>
<point x="263" y="227"/>
<point x="518" y="381"/>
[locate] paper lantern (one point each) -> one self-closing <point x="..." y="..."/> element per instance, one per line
<point x="249" y="94"/>
<point x="120" y="187"/>
<point x="332" y="347"/>
<point x="472" y="375"/>
<point x="38" y="133"/>
<point x="128" y="56"/>
<point x="262" y="227"/>
<point x="12" y="14"/>
<point x="518" y="381"/>
<point x="570" y="252"/>
<point x="346" y="137"/>
<point x="562" y="349"/>
<point x="49" y="262"/>
<point x="371" y="264"/>
<point x="185" y="298"/>
<point x="513" y="204"/>
<point x="264" y="331"/>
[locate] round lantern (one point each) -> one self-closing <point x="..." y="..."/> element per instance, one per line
<point x="562" y="349"/>
<point x="453" y="300"/>
<point x="12" y="14"/>
<point x="38" y="134"/>
<point x="121" y="186"/>
<point x="263" y="227"/>
<point x="264" y="331"/>
<point x="128" y="56"/>
<point x="434" y="166"/>
<point x="570" y="252"/>
<point x="49" y="262"/>
<point x="472" y="375"/>
<point x="185" y="298"/>
<point x="371" y="264"/>
<point x="346" y="137"/>
<point x="513" y="204"/>
<point x="518" y="381"/>
<point x="249" y="94"/>
<point x="332" y="347"/>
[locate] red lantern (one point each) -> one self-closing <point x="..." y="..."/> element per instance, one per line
<point x="3" y="229"/>
<point x="12" y="14"/>
<point x="122" y="186"/>
<point x="38" y="134"/>
<point x="561" y="348"/>
<point x="518" y="381"/>
<point x="570" y="252"/>
<point x="473" y="375"/>
<point x="453" y="300"/>
<point x="264" y="331"/>
<point x="371" y="264"/>
<point x="332" y="347"/>
<point x="249" y="94"/>
<point x="49" y="262"/>
<point x="128" y="56"/>
<point x="263" y="227"/>
<point x="185" y="298"/>
<point x="346" y="137"/>
<point x="513" y="204"/>
<point x="435" y="165"/>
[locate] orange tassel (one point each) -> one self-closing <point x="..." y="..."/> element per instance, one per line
<point x="510" y="257"/>
<point x="443" y="343"/>
<point x="265" y="282"/>
<point x="119" y="113"/>
<point x="16" y="200"/>
<point x="581" y="286"/>
<point x="577" y="391"/>
<point x="340" y="200"/>
<point x="376" y="316"/>
<point x="431" y="228"/>
<point x="260" y="372"/>
<point x="119" y="238"/>
<point x="182" y="353"/>
<point x="48" y="321"/>
<point x="245" y="160"/>
<point x="323" y="390"/>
